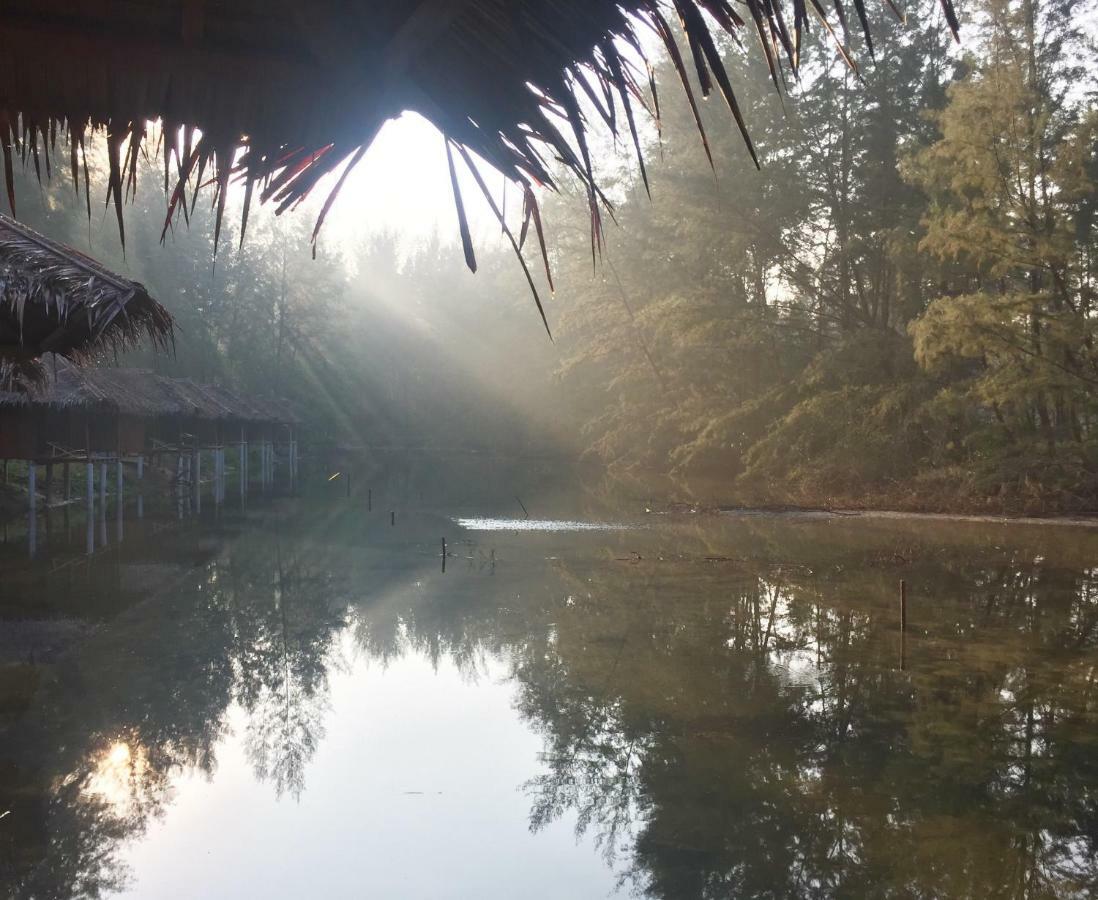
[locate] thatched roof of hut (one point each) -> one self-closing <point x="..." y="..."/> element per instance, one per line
<point x="141" y="392"/>
<point x="280" y="93"/>
<point x="137" y="392"/>
<point x="54" y="299"/>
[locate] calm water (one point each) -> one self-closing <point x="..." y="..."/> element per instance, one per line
<point x="298" y="701"/>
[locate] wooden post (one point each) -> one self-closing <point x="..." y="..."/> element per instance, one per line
<point x="903" y="605"/>
<point x="118" y="507"/>
<point x="90" y="489"/>
<point x="370" y="500"/>
<point x="32" y="532"/>
<point x="392" y="517"/>
<point x="444" y="554"/>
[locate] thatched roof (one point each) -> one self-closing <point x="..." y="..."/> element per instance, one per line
<point x="128" y="391"/>
<point x="141" y="392"/>
<point x="283" y="93"/>
<point x="53" y="299"/>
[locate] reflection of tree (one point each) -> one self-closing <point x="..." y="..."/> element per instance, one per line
<point x="145" y="698"/>
<point x="756" y="736"/>
<point x="283" y="672"/>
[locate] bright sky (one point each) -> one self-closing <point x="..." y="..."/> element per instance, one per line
<point x="402" y="184"/>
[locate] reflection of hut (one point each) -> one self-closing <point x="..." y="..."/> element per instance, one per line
<point x="54" y="299"/>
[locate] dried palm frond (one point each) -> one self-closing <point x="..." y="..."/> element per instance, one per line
<point x="281" y="96"/>
<point x="56" y="300"/>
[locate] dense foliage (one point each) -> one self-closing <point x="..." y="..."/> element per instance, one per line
<point x="899" y="309"/>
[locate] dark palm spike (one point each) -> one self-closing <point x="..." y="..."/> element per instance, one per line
<point x="136" y="139"/>
<point x="840" y="11"/>
<point x="668" y="38"/>
<point x="526" y="216"/>
<point x="859" y="7"/>
<point x="713" y="56"/>
<point x="704" y="81"/>
<point x="74" y="165"/>
<point x="951" y="18"/>
<point x="179" y="195"/>
<point x="249" y="189"/>
<point x="222" y="168"/>
<point x="656" y="115"/>
<point x="114" y="182"/>
<point x="619" y="79"/>
<point x="603" y="109"/>
<point x="535" y="210"/>
<point x="506" y="230"/>
<point x="777" y="18"/>
<point x="203" y="151"/>
<point x="7" y="150"/>
<point x="31" y="140"/>
<point x="87" y="177"/>
<point x="839" y="45"/>
<point x="463" y="219"/>
<point x="900" y="14"/>
<point x="762" y="26"/>
<point x="800" y="27"/>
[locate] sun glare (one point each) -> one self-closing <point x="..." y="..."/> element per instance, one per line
<point x="115" y="774"/>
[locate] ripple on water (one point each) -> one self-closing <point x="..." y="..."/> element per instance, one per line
<point x="547" y="525"/>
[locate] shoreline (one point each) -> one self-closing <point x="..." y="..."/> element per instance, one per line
<point x="809" y="513"/>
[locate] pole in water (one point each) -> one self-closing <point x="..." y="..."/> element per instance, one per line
<point x="32" y="492"/>
<point x="444" y="554"/>
<point x="392" y="517"/>
<point x="903" y="605"/>
<point x="370" y="500"/>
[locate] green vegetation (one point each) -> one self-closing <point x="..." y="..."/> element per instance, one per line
<point x="898" y="311"/>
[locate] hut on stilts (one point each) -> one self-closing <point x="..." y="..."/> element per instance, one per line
<point x="108" y="419"/>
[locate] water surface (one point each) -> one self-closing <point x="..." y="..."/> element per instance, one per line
<point x="300" y="699"/>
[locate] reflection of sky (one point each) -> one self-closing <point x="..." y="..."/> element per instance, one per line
<point x="413" y="793"/>
<point x="550" y="525"/>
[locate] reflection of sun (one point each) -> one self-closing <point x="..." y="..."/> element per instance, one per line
<point x="115" y="773"/>
<point x="119" y="754"/>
